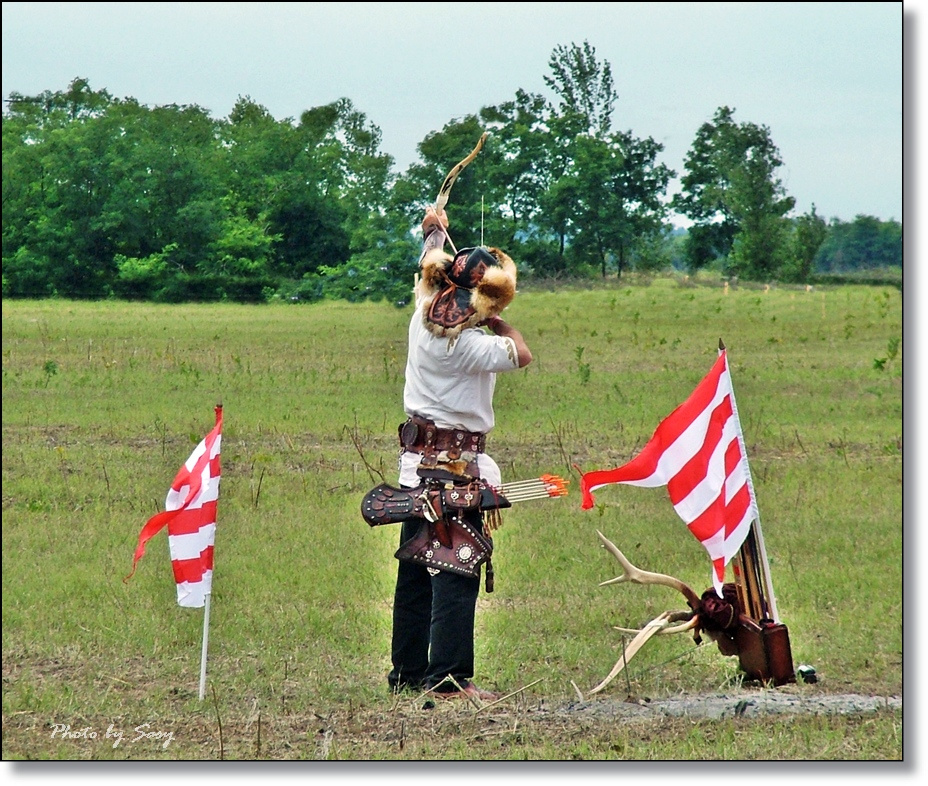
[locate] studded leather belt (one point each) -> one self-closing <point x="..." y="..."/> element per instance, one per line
<point x="422" y="436"/>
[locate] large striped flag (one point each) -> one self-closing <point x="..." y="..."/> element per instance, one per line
<point x="698" y="453"/>
<point x="190" y="515"/>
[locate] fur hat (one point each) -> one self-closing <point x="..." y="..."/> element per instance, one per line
<point x="462" y="291"/>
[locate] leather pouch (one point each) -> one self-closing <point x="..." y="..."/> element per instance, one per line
<point x="464" y="551"/>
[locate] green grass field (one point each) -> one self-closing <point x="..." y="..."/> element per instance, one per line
<point x="103" y="402"/>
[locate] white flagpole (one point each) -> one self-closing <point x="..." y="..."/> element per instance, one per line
<point x="205" y="642"/>
<point x="755" y="525"/>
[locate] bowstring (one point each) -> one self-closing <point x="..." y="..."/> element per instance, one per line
<point x="481" y="220"/>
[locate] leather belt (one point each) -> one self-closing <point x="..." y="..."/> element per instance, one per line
<point x="420" y="436"/>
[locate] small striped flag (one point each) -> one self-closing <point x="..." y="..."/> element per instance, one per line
<point x="190" y="515"/>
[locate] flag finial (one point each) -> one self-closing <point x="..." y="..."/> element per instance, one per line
<point x="721" y="346"/>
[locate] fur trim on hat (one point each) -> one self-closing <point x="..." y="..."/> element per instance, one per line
<point x="433" y="266"/>
<point x="494" y="292"/>
<point x="497" y="288"/>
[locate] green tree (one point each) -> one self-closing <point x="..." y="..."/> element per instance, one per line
<point x="175" y="186"/>
<point x="383" y="269"/>
<point x="54" y="221"/>
<point x="58" y="109"/>
<point x="517" y="161"/>
<point x="335" y="181"/>
<point x="732" y="195"/>
<point x="809" y="232"/>
<point x="603" y="195"/>
<point x="584" y="86"/>
<point x="367" y="172"/>
<point x="342" y="236"/>
<point x="585" y="100"/>
<point x="609" y="202"/>
<point x="276" y="178"/>
<point x="112" y="181"/>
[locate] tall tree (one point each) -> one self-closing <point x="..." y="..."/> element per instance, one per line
<point x="367" y="170"/>
<point x="287" y="179"/>
<point x="610" y="202"/>
<point x="604" y="189"/>
<point x="518" y="153"/>
<point x="584" y="86"/>
<point x="732" y="195"/>
<point x="337" y="185"/>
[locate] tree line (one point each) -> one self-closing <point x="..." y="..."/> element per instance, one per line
<point x="104" y="197"/>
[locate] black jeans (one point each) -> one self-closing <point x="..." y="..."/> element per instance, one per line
<point x="433" y="625"/>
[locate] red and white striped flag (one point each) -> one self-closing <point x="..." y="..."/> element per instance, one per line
<point x="190" y="515"/>
<point x="698" y="453"/>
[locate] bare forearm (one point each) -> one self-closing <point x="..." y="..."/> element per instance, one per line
<point x="502" y="328"/>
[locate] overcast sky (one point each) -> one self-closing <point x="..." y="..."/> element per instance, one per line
<point x="824" y="78"/>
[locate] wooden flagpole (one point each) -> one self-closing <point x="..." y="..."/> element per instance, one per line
<point x="763" y="565"/>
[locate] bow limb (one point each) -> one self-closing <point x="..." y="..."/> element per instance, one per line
<point x="445" y="189"/>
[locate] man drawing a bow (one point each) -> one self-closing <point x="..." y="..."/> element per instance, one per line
<point x="457" y="345"/>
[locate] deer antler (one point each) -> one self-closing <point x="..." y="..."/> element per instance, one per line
<point x="663" y="623"/>
<point x="649" y="630"/>
<point x="690" y="621"/>
<point x="639" y="576"/>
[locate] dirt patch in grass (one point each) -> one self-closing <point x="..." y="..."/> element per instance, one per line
<point x="743" y="704"/>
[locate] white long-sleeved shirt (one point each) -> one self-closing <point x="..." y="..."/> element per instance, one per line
<point x="451" y="381"/>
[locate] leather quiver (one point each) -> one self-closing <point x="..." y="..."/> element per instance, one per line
<point x="386" y="504"/>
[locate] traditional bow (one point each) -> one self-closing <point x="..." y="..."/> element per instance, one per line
<point x="445" y="189"/>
